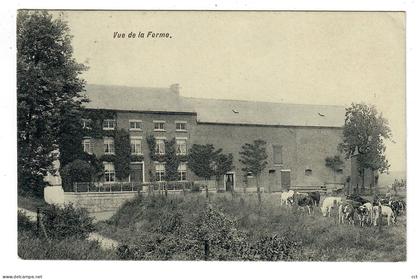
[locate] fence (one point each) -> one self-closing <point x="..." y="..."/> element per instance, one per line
<point x="106" y="187"/>
<point x="96" y="187"/>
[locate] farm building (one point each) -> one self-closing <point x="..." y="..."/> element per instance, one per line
<point x="298" y="137"/>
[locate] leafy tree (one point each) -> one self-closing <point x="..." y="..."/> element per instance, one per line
<point x="201" y="160"/>
<point x="205" y="161"/>
<point x="172" y="161"/>
<point x="48" y="84"/>
<point x="254" y="159"/>
<point x="122" y="154"/>
<point x="76" y="171"/>
<point x="223" y="163"/>
<point x="364" y="133"/>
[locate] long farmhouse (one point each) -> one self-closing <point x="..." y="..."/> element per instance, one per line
<point x="299" y="137"/>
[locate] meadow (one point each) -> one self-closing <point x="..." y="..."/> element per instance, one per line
<point x="148" y="227"/>
<point x="224" y="227"/>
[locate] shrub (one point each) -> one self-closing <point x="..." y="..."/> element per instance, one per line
<point x="24" y="223"/>
<point x="76" y="171"/>
<point x="68" y="221"/>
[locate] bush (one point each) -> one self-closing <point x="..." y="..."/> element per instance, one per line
<point x="24" y="223"/>
<point x="68" y="221"/>
<point x="76" y="171"/>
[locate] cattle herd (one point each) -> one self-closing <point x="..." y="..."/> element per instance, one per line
<point x="351" y="209"/>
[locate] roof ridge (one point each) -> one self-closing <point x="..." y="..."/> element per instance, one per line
<point x="265" y="102"/>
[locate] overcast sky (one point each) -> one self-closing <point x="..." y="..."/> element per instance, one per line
<point x="311" y="58"/>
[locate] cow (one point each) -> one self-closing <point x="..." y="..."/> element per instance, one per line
<point x="397" y="206"/>
<point x="328" y="204"/>
<point x="363" y="214"/>
<point x="284" y="197"/>
<point x="386" y="211"/>
<point x="302" y="200"/>
<point x="316" y="196"/>
<point x="346" y="212"/>
<point x="357" y="198"/>
<point x="369" y="207"/>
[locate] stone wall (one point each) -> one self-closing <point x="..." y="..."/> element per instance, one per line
<point x="99" y="202"/>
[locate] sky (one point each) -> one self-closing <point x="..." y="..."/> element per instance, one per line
<point x="294" y="57"/>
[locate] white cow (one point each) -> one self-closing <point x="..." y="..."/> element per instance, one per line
<point x="328" y="204"/>
<point x="386" y="212"/>
<point x="285" y="196"/>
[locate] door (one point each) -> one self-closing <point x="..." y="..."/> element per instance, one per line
<point x="136" y="172"/>
<point x="274" y="186"/>
<point x="229" y="181"/>
<point x="285" y="179"/>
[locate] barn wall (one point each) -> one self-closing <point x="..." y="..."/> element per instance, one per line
<point x="303" y="147"/>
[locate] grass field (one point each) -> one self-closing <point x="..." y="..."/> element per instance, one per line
<point x="165" y="221"/>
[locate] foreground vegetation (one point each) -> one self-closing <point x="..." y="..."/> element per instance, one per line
<point x="237" y="228"/>
<point x="225" y="227"/>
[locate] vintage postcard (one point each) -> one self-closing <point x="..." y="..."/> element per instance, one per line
<point x="211" y="136"/>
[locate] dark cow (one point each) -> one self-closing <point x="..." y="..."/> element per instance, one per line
<point x="302" y="200"/>
<point x="363" y="214"/>
<point x="346" y="212"/>
<point x="316" y="196"/>
<point x="397" y="206"/>
<point x="357" y="198"/>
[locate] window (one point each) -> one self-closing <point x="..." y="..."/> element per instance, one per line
<point x="277" y="154"/>
<point x="136" y="125"/>
<point x="159" y="125"/>
<point x="87" y="124"/>
<point x="160" y="172"/>
<point x="181" y="126"/>
<point x="160" y="146"/>
<point x="108" y="124"/>
<point x="182" y="171"/>
<point x="87" y="145"/>
<point x="109" y="147"/>
<point x="135" y="145"/>
<point x="181" y="147"/>
<point x="308" y="172"/>
<point x="109" y="172"/>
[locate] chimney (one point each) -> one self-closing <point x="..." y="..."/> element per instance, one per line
<point x="174" y="88"/>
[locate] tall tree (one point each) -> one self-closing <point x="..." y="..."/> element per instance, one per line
<point x="223" y="164"/>
<point x="122" y="154"/>
<point x="364" y="133"/>
<point x="172" y="161"/>
<point x="201" y="160"/>
<point x="254" y="159"/>
<point x="48" y="84"/>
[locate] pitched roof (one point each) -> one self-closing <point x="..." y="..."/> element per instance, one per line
<point x="214" y="110"/>
<point x="265" y="113"/>
<point x="135" y="99"/>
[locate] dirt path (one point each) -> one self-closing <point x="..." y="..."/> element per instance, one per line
<point x="104" y="242"/>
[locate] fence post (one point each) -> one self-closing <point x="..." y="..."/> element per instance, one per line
<point x="206" y="250"/>
<point x="38" y="220"/>
<point x="166" y="189"/>
<point x="380" y="217"/>
<point x="207" y="191"/>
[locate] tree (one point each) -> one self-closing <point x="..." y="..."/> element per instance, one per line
<point x="172" y="160"/>
<point x="48" y="84"/>
<point x="223" y="163"/>
<point x="76" y="171"/>
<point x="122" y="154"/>
<point x="201" y="160"/>
<point x="254" y="159"/>
<point x="364" y="133"/>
